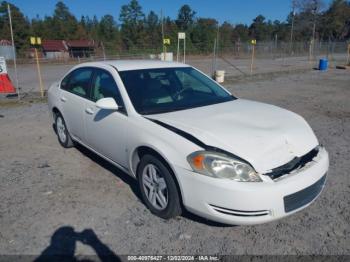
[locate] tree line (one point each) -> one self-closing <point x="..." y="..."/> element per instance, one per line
<point x="135" y="30"/>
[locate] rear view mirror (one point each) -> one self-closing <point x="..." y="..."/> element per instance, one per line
<point x="107" y="103"/>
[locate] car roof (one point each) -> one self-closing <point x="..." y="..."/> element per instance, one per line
<point x="125" y="65"/>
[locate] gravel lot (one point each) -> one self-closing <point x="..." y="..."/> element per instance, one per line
<point x="46" y="189"/>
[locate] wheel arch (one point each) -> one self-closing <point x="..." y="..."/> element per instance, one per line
<point x="140" y="151"/>
<point x="55" y="111"/>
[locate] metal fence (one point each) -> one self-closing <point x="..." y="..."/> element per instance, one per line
<point x="235" y="60"/>
<point x="271" y="49"/>
<point x="6" y="51"/>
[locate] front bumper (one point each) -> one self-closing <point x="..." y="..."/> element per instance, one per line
<point x="247" y="203"/>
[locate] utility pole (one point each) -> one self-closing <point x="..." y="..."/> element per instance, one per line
<point x="313" y="36"/>
<point x="13" y="50"/>
<point x="161" y="18"/>
<point x="292" y="27"/>
<point x="103" y="50"/>
<point x="217" y="40"/>
<point x="314" y="10"/>
<point x="214" y="60"/>
<point x="215" y="51"/>
<point x="178" y="48"/>
<point x="253" y="42"/>
<point x="276" y="41"/>
<point x="185" y="50"/>
<point x="274" y="50"/>
<point x="35" y="43"/>
<point x="39" y="73"/>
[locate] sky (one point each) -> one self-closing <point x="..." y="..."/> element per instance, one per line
<point x="233" y="11"/>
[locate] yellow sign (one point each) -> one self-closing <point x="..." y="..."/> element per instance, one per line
<point x="253" y="42"/>
<point x="166" y="41"/>
<point x="35" y="40"/>
<point x="32" y="40"/>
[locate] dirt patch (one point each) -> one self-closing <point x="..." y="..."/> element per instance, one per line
<point x="47" y="191"/>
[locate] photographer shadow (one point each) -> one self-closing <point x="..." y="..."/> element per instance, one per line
<point x="63" y="245"/>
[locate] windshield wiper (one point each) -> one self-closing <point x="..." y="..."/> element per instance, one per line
<point x="166" y="110"/>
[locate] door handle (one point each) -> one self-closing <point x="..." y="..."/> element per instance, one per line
<point x="63" y="99"/>
<point x="89" y="111"/>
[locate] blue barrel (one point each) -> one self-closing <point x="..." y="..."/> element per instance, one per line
<point x="323" y="64"/>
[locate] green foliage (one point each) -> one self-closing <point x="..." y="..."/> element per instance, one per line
<point x="185" y="17"/>
<point x="259" y="29"/>
<point x="241" y="33"/>
<point x="64" y="24"/>
<point x="226" y="34"/>
<point x="132" y="30"/>
<point x="203" y="34"/>
<point x="337" y="19"/>
<point x="21" y="26"/>
<point x="138" y="31"/>
<point x="153" y="30"/>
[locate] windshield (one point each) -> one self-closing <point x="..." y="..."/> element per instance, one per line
<point x="161" y="90"/>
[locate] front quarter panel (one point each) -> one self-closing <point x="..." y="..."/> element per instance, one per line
<point x="172" y="147"/>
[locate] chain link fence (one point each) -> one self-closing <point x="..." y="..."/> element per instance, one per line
<point x="235" y="60"/>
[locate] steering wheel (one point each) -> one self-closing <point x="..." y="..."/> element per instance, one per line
<point x="178" y="93"/>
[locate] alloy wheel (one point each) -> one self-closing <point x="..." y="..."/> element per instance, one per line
<point x="61" y="129"/>
<point x="155" y="187"/>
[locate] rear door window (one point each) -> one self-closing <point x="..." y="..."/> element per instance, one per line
<point x="78" y="82"/>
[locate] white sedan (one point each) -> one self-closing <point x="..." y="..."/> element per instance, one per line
<point x="189" y="142"/>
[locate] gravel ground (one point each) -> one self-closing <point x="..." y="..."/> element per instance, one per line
<point x="45" y="189"/>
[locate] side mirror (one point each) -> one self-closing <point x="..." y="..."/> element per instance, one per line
<point x="107" y="103"/>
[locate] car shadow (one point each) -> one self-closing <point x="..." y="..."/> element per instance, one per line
<point x="134" y="185"/>
<point x="201" y="220"/>
<point x="101" y="114"/>
<point x="63" y="245"/>
<point x="111" y="168"/>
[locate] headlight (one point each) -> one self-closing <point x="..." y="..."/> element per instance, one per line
<point x="222" y="166"/>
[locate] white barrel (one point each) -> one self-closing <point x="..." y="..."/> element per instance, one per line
<point x="168" y="56"/>
<point x="220" y="76"/>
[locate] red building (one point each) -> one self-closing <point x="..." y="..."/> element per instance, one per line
<point x="60" y="49"/>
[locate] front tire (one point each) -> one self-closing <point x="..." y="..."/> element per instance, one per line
<point x="158" y="188"/>
<point x="62" y="132"/>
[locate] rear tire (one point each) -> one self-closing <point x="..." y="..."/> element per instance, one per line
<point x="62" y="132"/>
<point x="158" y="188"/>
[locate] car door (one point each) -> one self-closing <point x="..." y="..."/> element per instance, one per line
<point x="106" y="129"/>
<point x="75" y="89"/>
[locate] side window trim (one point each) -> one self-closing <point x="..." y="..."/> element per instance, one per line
<point x="67" y="77"/>
<point x="94" y="73"/>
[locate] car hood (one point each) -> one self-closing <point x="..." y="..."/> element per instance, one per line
<point x="264" y="135"/>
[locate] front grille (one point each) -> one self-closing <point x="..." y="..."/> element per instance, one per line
<point x="303" y="197"/>
<point x="240" y="213"/>
<point x="297" y="162"/>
